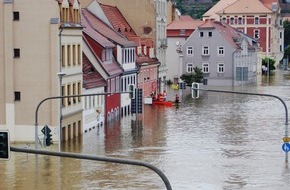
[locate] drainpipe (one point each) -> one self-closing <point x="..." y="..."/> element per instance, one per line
<point x="60" y="75"/>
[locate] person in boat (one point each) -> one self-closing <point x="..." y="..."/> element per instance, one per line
<point x="176" y="98"/>
<point x="164" y="95"/>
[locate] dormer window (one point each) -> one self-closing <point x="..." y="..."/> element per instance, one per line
<point x="107" y="55"/>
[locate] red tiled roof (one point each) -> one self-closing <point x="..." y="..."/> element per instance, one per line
<point x="187" y="24"/>
<point x="103" y="41"/>
<point x="91" y="77"/>
<point x="185" y="18"/>
<point x="105" y="30"/>
<point x="117" y="20"/>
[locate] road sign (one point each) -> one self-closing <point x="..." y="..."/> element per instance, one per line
<point x="286" y="147"/>
<point x="286" y="139"/>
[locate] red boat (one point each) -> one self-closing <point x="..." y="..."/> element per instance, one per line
<point x="164" y="103"/>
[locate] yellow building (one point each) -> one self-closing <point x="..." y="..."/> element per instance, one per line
<point x="39" y="42"/>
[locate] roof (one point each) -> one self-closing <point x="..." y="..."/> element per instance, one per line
<point x="211" y="13"/>
<point x="117" y="20"/>
<point x="105" y="30"/>
<point x="239" y="6"/>
<point x="91" y="77"/>
<point x="121" y="25"/>
<point x="230" y="34"/>
<point x="245" y="6"/>
<point x="185" y="18"/>
<point x="186" y="24"/>
<point x="103" y="41"/>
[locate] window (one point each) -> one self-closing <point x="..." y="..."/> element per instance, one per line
<point x="242" y="74"/>
<point x="257" y="34"/>
<point x="232" y="20"/>
<point x="17" y="96"/>
<point x="63" y="56"/>
<point x="16" y="53"/>
<point x="205" y="50"/>
<point x="257" y="20"/>
<point x="16" y="16"/>
<point x="201" y="34"/>
<point x="79" y="91"/>
<point x="205" y="68"/>
<point x="240" y="20"/>
<point x="209" y="34"/>
<point x="224" y="20"/>
<point x="189" y="50"/>
<point x="182" y="31"/>
<point x="79" y="54"/>
<point x="221" y="50"/>
<point x="189" y="67"/>
<point x="221" y="68"/>
<point x="69" y="94"/>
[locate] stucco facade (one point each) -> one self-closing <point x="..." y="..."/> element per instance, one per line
<point x="29" y="65"/>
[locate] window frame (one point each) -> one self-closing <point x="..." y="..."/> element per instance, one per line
<point x="205" y="50"/>
<point x="189" y="50"/>
<point x="220" y="49"/>
<point x="189" y="67"/>
<point x="220" y="67"/>
<point x="205" y="67"/>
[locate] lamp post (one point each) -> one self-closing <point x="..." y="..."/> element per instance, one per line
<point x="60" y="75"/>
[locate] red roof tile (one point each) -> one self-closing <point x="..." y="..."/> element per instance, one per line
<point x="187" y="24"/>
<point x="105" y="30"/>
<point x="117" y="20"/>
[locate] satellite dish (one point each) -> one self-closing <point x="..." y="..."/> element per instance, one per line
<point x="177" y="43"/>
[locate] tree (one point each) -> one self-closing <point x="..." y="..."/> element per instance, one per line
<point x="195" y="76"/>
<point x="270" y="61"/>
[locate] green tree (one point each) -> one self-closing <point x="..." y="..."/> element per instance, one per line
<point x="286" y="25"/>
<point x="195" y="76"/>
<point x="271" y="62"/>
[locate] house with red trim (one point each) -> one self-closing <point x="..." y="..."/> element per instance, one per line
<point x="99" y="51"/>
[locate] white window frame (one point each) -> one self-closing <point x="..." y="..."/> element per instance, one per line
<point x="189" y="67"/>
<point x="220" y="67"/>
<point x="189" y="50"/>
<point x="221" y="50"/>
<point x="205" y="50"/>
<point x="256" y="34"/>
<point x="205" y="67"/>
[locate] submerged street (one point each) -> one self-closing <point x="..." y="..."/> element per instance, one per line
<point x="219" y="141"/>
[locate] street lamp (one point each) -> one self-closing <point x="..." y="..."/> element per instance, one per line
<point x="60" y="75"/>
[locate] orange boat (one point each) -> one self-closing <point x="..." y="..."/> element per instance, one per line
<point x="164" y="103"/>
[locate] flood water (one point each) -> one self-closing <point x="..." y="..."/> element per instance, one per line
<point x="219" y="141"/>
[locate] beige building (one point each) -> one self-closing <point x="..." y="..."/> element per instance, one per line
<point x="39" y="40"/>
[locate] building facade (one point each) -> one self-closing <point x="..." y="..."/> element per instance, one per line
<point x="32" y="63"/>
<point x="260" y="19"/>
<point x="226" y="57"/>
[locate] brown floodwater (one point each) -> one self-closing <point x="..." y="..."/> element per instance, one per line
<point x="219" y="141"/>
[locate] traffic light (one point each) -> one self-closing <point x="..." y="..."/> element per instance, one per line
<point x="131" y="91"/>
<point x="4" y="145"/>
<point x="48" y="138"/>
<point x="195" y="90"/>
<point x="47" y="133"/>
